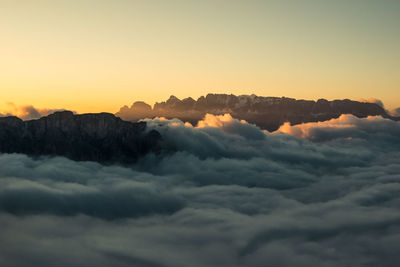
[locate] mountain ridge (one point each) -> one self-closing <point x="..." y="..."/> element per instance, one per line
<point x="100" y="137"/>
<point x="268" y="113"/>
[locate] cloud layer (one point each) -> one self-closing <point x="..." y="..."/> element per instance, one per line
<point x="224" y="194"/>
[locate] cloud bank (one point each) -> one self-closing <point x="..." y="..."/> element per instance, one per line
<point x="27" y="112"/>
<point x="395" y="112"/>
<point x="224" y="194"/>
<point x="346" y="126"/>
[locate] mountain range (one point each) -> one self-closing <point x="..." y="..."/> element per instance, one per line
<point x="123" y="138"/>
<point x="268" y="113"/>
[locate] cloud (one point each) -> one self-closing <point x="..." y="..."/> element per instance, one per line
<point x="230" y="125"/>
<point x="86" y="191"/>
<point x="224" y="193"/>
<point x="374" y="101"/>
<point x="395" y="112"/>
<point x="345" y="127"/>
<point x="27" y="112"/>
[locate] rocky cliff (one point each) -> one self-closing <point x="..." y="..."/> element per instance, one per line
<point x="266" y="112"/>
<point x="95" y="137"/>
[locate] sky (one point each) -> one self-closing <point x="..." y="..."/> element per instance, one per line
<point x="92" y="56"/>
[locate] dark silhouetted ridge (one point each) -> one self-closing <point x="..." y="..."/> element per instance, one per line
<point x="98" y="137"/>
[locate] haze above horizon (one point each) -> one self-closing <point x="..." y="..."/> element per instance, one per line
<point x="93" y="56"/>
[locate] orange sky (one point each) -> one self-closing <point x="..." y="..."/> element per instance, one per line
<point x="93" y="56"/>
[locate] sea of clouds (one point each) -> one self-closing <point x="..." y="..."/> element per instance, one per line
<point x="223" y="193"/>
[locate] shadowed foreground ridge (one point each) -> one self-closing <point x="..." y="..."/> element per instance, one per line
<point x="266" y="112"/>
<point x="98" y="137"/>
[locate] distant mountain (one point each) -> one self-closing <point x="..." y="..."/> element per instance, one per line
<point x="95" y="137"/>
<point x="266" y="112"/>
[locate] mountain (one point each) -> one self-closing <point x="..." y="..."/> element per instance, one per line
<point x="98" y="137"/>
<point x="266" y="112"/>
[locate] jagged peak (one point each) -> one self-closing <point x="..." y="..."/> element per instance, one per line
<point x="172" y="97"/>
<point x="141" y="105"/>
<point x="188" y="99"/>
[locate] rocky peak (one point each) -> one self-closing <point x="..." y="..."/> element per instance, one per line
<point x="173" y="100"/>
<point x="141" y="106"/>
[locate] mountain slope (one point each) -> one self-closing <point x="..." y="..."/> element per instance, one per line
<point x="95" y="137"/>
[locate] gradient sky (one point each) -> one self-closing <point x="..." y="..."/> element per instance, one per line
<point x="93" y="56"/>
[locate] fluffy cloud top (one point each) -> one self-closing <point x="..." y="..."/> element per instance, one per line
<point x="27" y="112"/>
<point x="224" y="194"/>
<point x="346" y="126"/>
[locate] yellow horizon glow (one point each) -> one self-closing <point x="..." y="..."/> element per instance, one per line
<point x="93" y="56"/>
